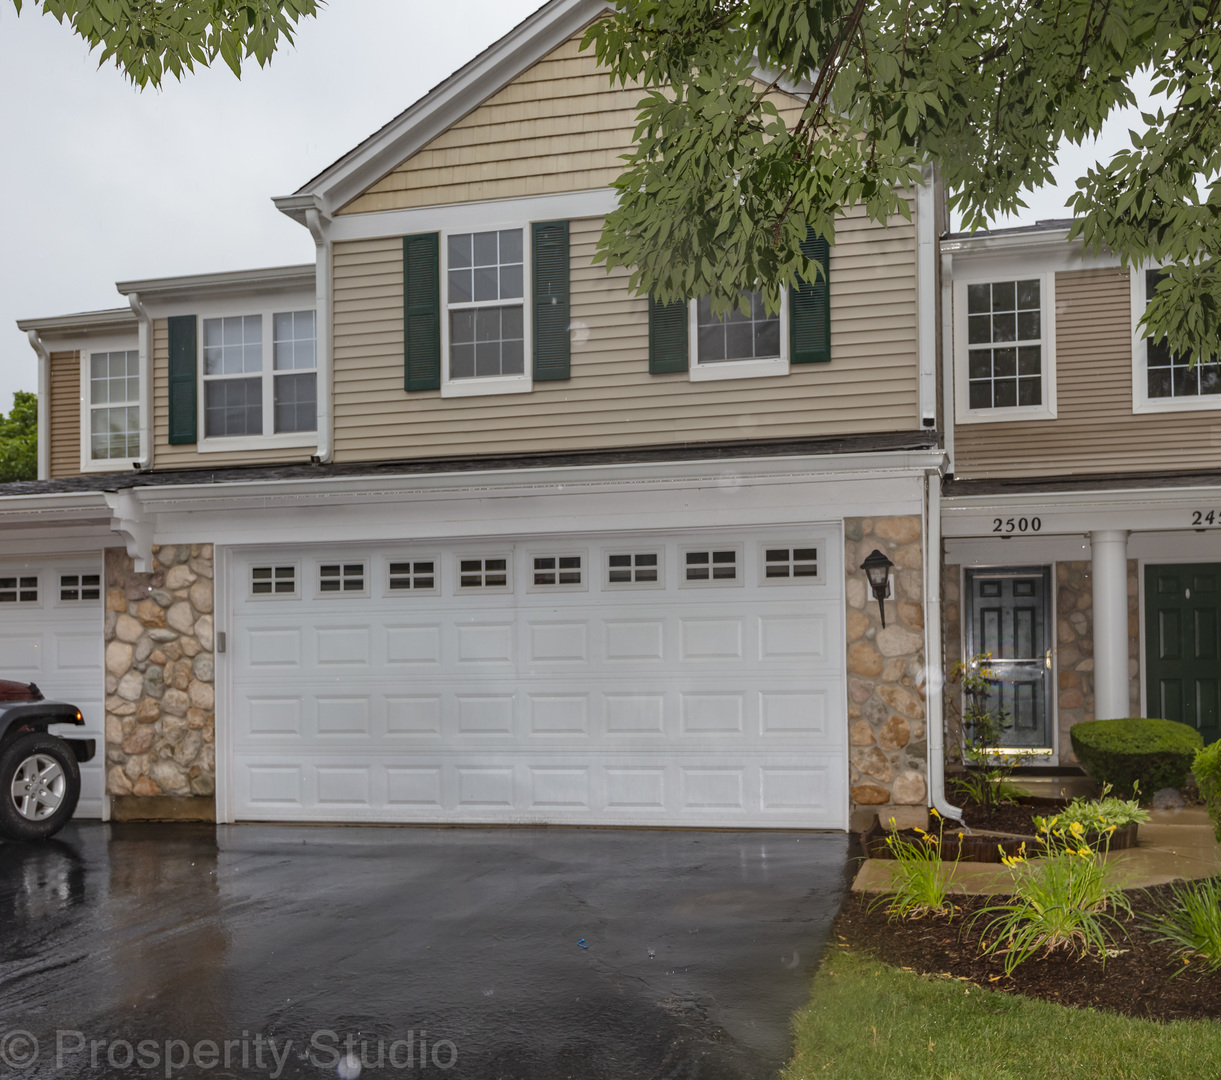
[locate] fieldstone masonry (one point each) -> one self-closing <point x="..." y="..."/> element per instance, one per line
<point x="886" y="717"/>
<point x="1074" y="651"/>
<point x="160" y="701"/>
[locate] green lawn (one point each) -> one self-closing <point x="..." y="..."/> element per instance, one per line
<point x="869" y="1020"/>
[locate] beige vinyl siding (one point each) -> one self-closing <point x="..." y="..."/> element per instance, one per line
<point x="166" y="456"/>
<point x="612" y="401"/>
<point x="65" y="414"/>
<point x="1095" y="430"/>
<point x="559" y="126"/>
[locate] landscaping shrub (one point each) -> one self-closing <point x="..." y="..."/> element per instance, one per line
<point x="1066" y="901"/>
<point x="1136" y="753"/>
<point x="1207" y="770"/>
<point x="1192" y="925"/>
<point x="919" y="878"/>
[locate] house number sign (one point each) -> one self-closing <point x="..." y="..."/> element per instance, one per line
<point x="1005" y="526"/>
<point x="1201" y="518"/>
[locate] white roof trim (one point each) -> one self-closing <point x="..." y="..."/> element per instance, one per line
<point x="112" y="320"/>
<point x="223" y="283"/>
<point x="443" y="106"/>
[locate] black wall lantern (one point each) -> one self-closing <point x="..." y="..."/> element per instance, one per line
<point x="877" y="570"/>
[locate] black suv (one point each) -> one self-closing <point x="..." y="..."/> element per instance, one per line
<point x="40" y="776"/>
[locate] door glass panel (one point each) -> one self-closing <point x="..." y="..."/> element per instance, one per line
<point x="1008" y="619"/>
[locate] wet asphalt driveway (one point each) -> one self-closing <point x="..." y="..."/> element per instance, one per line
<point x="260" y="951"/>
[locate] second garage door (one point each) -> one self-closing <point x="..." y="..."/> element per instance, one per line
<point x="655" y="680"/>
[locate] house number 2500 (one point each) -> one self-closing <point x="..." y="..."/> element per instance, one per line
<point x="1012" y="525"/>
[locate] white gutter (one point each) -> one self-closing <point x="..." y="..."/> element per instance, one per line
<point x="319" y="230"/>
<point x="44" y="409"/>
<point x="145" y="459"/>
<point x="934" y="681"/>
<point x="926" y="296"/>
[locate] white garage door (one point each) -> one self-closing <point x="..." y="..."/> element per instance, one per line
<point x="51" y="634"/>
<point x="677" y="680"/>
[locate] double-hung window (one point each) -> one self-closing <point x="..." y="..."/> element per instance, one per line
<point x="747" y="341"/>
<point x="1163" y="381"/>
<point x="113" y="406"/>
<point x="485" y="306"/>
<point x="259" y="375"/>
<point x="1005" y="348"/>
<point x="740" y="343"/>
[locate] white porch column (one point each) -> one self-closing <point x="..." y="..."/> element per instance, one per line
<point x="1110" y="573"/>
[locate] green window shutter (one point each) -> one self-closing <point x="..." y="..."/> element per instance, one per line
<point x="422" y="312"/>
<point x="184" y="410"/>
<point x="552" y="352"/>
<point x="810" y="308"/>
<point x="667" y="336"/>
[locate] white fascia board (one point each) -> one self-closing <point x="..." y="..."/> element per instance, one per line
<point x="473" y="216"/>
<point x="601" y="499"/>
<point x="1040" y="249"/>
<point x="37" y="510"/>
<point x="466" y="89"/>
<point x="82" y="324"/>
<point x="270" y="279"/>
<point x="1079" y="512"/>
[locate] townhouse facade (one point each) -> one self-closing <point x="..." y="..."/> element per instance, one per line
<point x="452" y="527"/>
<point x="1081" y="496"/>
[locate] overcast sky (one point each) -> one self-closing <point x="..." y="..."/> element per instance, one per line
<point x="101" y="183"/>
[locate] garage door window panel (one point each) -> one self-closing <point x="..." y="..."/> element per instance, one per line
<point x="413" y="576"/>
<point x="346" y="578"/>
<point x="79" y="588"/>
<point x="634" y="570"/>
<point x="703" y="567"/>
<point x="275" y="582"/>
<point x="21" y="589"/>
<point x="557" y="571"/>
<point x="787" y="564"/>
<point x="485" y="573"/>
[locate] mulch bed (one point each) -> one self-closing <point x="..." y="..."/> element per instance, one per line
<point x="1140" y="981"/>
<point x="1011" y="818"/>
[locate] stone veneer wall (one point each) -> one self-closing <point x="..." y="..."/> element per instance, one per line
<point x="886" y="718"/>
<point x="160" y="721"/>
<point x="1074" y="651"/>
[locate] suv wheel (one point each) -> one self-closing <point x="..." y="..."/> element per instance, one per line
<point x="40" y="783"/>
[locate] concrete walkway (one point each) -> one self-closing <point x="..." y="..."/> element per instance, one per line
<point x="1174" y="844"/>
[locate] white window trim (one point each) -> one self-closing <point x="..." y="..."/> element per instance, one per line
<point x="640" y="549"/>
<point x="1047" y="295"/>
<point x="341" y="561"/>
<point x="791" y="545"/>
<point x="492" y="384"/>
<point x="89" y="464"/>
<point x="737" y="369"/>
<point x="261" y="598"/>
<point x="60" y="572"/>
<point x="1141" y="401"/>
<point x="265" y="309"/>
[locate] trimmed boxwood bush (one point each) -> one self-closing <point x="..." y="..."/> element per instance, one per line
<point x="1152" y="753"/>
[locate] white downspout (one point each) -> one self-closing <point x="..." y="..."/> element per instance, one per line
<point x="934" y="681"/>
<point x="145" y="459"/>
<point x="926" y="297"/>
<point x="44" y="405"/>
<point x="322" y="325"/>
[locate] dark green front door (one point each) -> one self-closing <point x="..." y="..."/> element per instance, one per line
<point x="1182" y="645"/>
